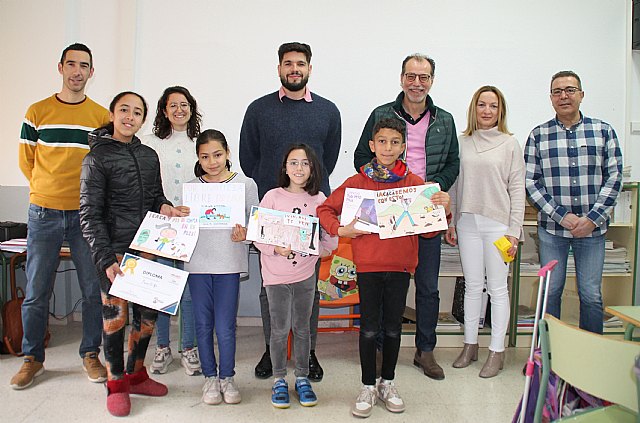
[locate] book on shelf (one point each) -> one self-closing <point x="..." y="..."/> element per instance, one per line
<point x="611" y="321"/>
<point x="447" y="321"/>
<point x="622" y="210"/>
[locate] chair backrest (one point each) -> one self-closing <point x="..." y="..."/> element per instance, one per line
<point x="597" y="364"/>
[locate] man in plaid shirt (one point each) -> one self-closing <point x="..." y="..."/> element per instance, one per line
<point x="574" y="175"/>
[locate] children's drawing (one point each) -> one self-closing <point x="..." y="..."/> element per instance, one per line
<point x="283" y="229"/>
<point x="409" y="211"/>
<point x="360" y="204"/>
<point x="167" y="234"/>
<point x="218" y="206"/>
<point x="171" y="237"/>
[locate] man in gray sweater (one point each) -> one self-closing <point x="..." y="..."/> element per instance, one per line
<point x="273" y="122"/>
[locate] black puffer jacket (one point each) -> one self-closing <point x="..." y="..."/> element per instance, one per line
<point x="119" y="183"/>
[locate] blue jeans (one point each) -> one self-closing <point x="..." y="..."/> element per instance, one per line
<point x="186" y="314"/>
<point x="47" y="229"/>
<point x="588" y="254"/>
<point x="427" y="294"/>
<point x="215" y="306"/>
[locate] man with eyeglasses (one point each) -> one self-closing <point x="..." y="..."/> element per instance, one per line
<point x="271" y="124"/>
<point x="53" y="142"/>
<point x="432" y="154"/>
<point x="573" y="177"/>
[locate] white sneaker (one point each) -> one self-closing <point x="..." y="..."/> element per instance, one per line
<point x="161" y="360"/>
<point x="363" y="405"/>
<point x="388" y="394"/>
<point x="191" y="361"/>
<point x="211" y="391"/>
<point x="229" y="390"/>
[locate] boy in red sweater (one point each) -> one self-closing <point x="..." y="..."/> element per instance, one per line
<point x="384" y="265"/>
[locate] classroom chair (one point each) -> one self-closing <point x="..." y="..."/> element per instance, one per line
<point x="597" y="364"/>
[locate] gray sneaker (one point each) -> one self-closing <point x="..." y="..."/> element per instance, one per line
<point x="363" y="405"/>
<point x="211" y="391"/>
<point x="161" y="361"/>
<point x="388" y="394"/>
<point x="230" y="393"/>
<point x="191" y="361"/>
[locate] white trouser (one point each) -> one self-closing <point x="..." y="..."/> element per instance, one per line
<point x="481" y="258"/>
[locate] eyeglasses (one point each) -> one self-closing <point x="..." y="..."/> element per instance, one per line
<point x="296" y="163"/>
<point x="424" y="78"/>
<point x="557" y="92"/>
<point x="183" y="106"/>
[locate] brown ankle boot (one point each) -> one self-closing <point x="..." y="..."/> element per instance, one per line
<point x="493" y="365"/>
<point x="468" y="354"/>
<point x="427" y="362"/>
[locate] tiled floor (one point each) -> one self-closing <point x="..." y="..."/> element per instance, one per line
<point x="64" y="394"/>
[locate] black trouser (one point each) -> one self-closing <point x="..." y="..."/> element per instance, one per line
<point x="384" y="292"/>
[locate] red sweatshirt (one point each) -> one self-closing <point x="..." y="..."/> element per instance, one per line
<point x="370" y="253"/>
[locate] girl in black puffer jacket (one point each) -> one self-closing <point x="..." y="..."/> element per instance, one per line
<point x="119" y="183"/>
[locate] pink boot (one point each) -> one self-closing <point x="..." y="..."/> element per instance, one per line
<point x="139" y="383"/>
<point x="118" y="401"/>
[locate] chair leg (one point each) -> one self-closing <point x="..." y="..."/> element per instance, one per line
<point x="289" y="345"/>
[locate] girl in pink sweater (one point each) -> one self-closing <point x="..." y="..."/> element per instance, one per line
<point x="290" y="277"/>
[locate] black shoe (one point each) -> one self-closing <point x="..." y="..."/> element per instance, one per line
<point x="315" y="371"/>
<point x="264" y="369"/>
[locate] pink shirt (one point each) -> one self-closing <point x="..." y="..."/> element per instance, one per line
<point x="307" y="94"/>
<point x="277" y="269"/>
<point x="416" y="155"/>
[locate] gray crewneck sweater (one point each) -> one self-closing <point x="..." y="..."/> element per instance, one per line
<point x="215" y="253"/>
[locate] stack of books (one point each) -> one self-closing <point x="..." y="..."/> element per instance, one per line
<point x="18" y="245"/>
<point x="526" y="316"/>
<point x="450" y="259"/>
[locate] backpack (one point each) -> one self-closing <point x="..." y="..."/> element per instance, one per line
<point x="12" y="317"/>
<point x="562" y="399"/>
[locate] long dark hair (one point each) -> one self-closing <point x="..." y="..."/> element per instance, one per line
<point x="112" y="108"/>
<point x="161" y="124"/>
<point x="205" y="138"/>
<point x="313" y="183"/>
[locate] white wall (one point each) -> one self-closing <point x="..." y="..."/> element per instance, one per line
<point x="225" y="53"/>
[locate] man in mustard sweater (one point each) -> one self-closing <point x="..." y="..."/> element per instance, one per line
<point x="53" y="142"/>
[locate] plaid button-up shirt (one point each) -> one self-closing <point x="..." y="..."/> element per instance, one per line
<point x="573" y="170"/>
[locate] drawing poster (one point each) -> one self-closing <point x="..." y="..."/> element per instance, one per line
<point x="217" y="206"/>
<point x="273" y="227"/>
<point x="171" y="237"/>
<point x="409" y="211"/>
<point x="360" y="204"/>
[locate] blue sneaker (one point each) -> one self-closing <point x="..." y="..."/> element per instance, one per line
<point x="280" y="394"/>
<point x="306" y="396"/>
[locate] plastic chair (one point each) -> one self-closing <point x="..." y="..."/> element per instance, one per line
<point x="596" y="364"/>
<point x="349" y="301"/>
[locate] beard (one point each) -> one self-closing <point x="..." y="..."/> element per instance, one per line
<point x="294" y="86"/>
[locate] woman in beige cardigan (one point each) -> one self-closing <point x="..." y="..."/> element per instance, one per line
<point x="487" y="203"/>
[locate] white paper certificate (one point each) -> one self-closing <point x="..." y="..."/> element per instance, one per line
<point x="150" y="284"/>
<point x="217" y="206"/>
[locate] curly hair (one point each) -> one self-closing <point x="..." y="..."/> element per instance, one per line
<point x="161" y="124"/>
